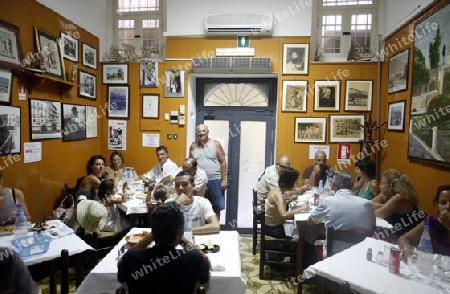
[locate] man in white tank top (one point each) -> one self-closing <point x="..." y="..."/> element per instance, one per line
<point x="210" y="156"/>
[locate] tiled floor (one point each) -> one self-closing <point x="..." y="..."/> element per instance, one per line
<point x="250" y="273"/>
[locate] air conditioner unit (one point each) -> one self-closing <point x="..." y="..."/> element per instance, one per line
<point x="231" y="65"/>
<point x="250" y="23"/>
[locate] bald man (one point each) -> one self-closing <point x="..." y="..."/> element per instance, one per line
<point x="318" y="171"/>
<point x="269" y="179"/>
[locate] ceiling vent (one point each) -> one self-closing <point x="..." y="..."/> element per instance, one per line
<point x="231" y="65"/>
<point x="252" y="23"/>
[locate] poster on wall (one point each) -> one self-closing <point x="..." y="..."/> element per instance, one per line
<point x="117" y="135"/>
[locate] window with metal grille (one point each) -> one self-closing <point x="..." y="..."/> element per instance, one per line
<point x="138" y="27"/>
<point x="345" y="29"/>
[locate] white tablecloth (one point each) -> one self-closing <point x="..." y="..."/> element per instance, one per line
<point x="367" y="276"/>
<point x="134" y="206"/>
<point x="103" y="278"/>
<point x="71" y="242"/>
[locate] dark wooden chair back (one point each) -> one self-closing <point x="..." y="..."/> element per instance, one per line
<point x="256" y="221"/>
<point x="350" y="236"/>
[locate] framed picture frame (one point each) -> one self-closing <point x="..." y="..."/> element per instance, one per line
<point x="295" y="59"/>
<point x="74" y="122"/>
<point x="174" y="86"/>
<point x="69" y="47"/>
<point x="326" y="95"/>
<point x="10" y="130"/>
<point x="398" y="72"/>
<point x="45" y="119"/>
<point x="10" y="56"/>
<point x="87" y="85"/>
<point x="89" y="56"/>
<point x="118" y="102"/>
<point x="396" y="116"/>
<point x="310" y="129"/>
<point x="346" y="128"/>
<point x="429" y="92"/>
<point x="294" y="96"/>
<point x="5" y="85"/>
<point x="358" y="95"/>
<point x="150" y="106"/>
<point x="49" y="48"/>
<point x="91" y="122"/>
<point x="115" y="73"/>
<point x="149" y="75"/>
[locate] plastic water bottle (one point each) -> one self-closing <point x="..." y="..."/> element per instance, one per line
<point x="327" y="187"/>
<point x="21" y="223"/>
<point x="320" y="188"/>
<point x="425" y="254"/>
<point x="131" y="176"/>
<point x="187" y="225"/>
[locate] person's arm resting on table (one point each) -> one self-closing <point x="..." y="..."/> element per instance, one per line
<point x="211" y="227"/>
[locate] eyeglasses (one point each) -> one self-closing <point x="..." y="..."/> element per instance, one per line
<point x="283" y="166"/>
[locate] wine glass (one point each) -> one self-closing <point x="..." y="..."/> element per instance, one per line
<point x="411" y="260"/>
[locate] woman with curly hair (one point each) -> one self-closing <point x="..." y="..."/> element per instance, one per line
<point x="88" y="185"/>
<point x="397" y="202"/>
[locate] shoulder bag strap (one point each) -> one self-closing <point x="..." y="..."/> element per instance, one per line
<point x="13" y="195"/>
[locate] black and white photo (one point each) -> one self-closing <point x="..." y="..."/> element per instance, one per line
<point x="358" y="96"/>
<point x="174" y="86"/>
<point x="326" y="96"/>
<point x="10" y="47"/>
<point x="398" y="72"/>
<point x="295" y="58"/>
<point x="346" y="128"/>
<point x="396" y="116"/>
<point x="45" y="119"/>
<point x="310" y="129"/>
<point x="74" y="122"/>
<point x="89" y="56"/>
<point x="51" y="59"/>
<point x="69" y="47"/>
<point x="5" y="85"/>
<point x="9" y="130"/>
<point x="149" y="75"/>
<point x="87" y="84"/>
<point x="91" y="122"/>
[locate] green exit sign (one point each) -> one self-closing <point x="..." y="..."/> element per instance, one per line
<point x="243" y="41"/>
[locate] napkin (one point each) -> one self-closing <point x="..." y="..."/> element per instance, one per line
<point x="217" y="262"/>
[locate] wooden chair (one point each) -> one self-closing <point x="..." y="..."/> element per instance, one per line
<point x="256" y="221"/>
<point x="49" y="269"/>
<point x="350" y="236"/>
<point x="345" y="288"/>
<point x="102" y="242"/>
<point x="293" y="250"/>
<point x="200" y="290"/>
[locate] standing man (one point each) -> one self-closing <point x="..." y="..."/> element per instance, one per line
<point x="164" y="168"/>
<point x="318" y="171"/>
<point x="211" y="158"/>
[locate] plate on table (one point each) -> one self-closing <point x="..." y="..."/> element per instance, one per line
<point x="40" y="226"/>
<point x="208" y="248"/>
<point x="134" y="239"/>
<point x="141" y="196"/>
<point x="6" y="230"/>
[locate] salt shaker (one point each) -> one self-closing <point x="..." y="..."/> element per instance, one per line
<point x="369" y="254"/>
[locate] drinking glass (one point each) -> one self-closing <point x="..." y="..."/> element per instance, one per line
<point x="411" y="260"/>
<point x="386" y="254"/>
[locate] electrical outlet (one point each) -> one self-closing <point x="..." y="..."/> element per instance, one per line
<point x="181" y="109"/>
<point x="175" y="136"/>
<point x="166" y="116"/>
<point x="169" y="136"/>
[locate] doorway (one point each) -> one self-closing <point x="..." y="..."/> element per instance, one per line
<point x="241" y="115"/>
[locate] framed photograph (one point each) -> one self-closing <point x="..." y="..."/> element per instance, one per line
<point x="396" y="116"/>
<point x="346" y="128"/>
<point x="149" y="75"/>
<point x="45" y="119"/>
<point x="51" y="59"/>
<point x="358" y="96"/>
<point x="310" y="129"/>
<point x="150" y="106"/>
<point x="295" y="59"/>
<point x="89" y="56"/>
<point x="174" y="83"/>
<point x="9" y="130"/>
<point x="115" y="73"/>
<point x="91" y="122"/>
<point x="87" y="83"/>
<point x="398" y="72"/>
<point x="117" y="130"/>
<point x="430" y="91"/>
<point x="10" y="55"/>
<point x="294" y="96"/>
<point x="118" y="101"/>
<point x="326" y="95"/>
<point x="69" y="47"/>
<point x="5" y="85"/>
<point x="74" y="122"/>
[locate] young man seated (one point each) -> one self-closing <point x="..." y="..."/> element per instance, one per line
<point x="156" y="268"/>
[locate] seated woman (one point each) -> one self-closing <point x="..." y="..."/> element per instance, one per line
<point x="439" y="225"/>
<point x="115" y="222"/>
<point x="116" y="167"/>
<point x="95" y="169"/>
<point x="397" y="203"/>
<point x="367" y="186"/>
<point x="9" y="198"/>
<point x="275" y="208"/>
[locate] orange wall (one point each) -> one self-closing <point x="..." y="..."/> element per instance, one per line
<point x="62" y="162"/>
<point x="426" y="178"/>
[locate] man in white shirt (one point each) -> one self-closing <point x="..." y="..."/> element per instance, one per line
<point x="200" y="177"/>
<point x="269" y="179"/>
<point x="204" y="220"/>
<point x="164" y="168"/>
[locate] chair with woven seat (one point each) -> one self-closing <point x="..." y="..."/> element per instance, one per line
<point x="349" y="236"/>
<point x="256" y="221"/>
<point x="290" y="248"/>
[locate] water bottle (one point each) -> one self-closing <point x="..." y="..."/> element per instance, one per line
<point x="131" y="176"/>
<point x="320" y="188"/>
<point x="425" y="253"/>
<point x="327" y="187"/>
<point x="187" y="225"/>
<point x="21" y="224"/>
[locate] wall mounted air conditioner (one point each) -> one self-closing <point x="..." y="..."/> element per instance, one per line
<point x="231" y="65"/>
<point x="244" y="23"/>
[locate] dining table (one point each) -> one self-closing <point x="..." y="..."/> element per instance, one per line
<point x="62" y="237"/>
<point x="370" y="276"/>
<point x="135" y="207"/>
<point x="225" y="275"/>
